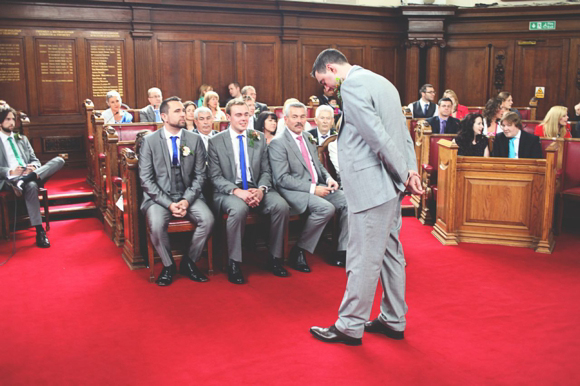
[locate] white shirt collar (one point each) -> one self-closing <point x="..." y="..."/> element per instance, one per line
<point x="518" y="135"/>
<point x="294" y="135"/>
<point x="5" y="136"/>
<point x="168" y="135"/>
<point x="234" y="134"/>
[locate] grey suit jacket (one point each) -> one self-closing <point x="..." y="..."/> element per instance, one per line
<point x="155" y="168"/>
<point x="26" y="152"/>
<point x="375" y="150"/>
<point x="222" y="165"/>
<point x="291" y="175"/>
<point x="147" y="114"/>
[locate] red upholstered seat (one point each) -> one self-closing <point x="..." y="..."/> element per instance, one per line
<point x="545" y="143"/>
<point x="530" y="126"/>
<point x="526" y="113"/>
<point x="279" y="111"/>
<point x="475" y="109"/>
<point x="224" y="125"/>
<point x="572" y="191"/>
<point x="570" y="188"/>
<point x="312" y="122"/>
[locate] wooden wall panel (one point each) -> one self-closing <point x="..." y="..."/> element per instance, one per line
<point x="466" y="71"/>
<point x="12" y="72"/>
<point x="309" y="84"/>
<point x="219" y="65"/>
<point x="261" y="70"/>
<point x="176" y="69"/>
<point x="355" y="55"/>
<point x="384" y="62"/>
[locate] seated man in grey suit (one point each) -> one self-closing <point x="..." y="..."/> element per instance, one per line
<point x="203" y="119"/>
<point x="240" y="173"/>
<point x="151" y="112"/>
<point x="172" y="170"/>
<point x="307" y="186"/>
<point x="20" y="170"/>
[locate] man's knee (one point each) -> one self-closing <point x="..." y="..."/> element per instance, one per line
<point x="31" y="186"/>
<point x="238" y="212"/>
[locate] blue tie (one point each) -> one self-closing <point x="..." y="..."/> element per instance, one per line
<point x="157" y="116"/>
<point x="174" y="143"/>
<point x="243" y="163"/>
<point x="443" y="125"/>
<point x="512" y="153"/>
<point x="426" y="109"/>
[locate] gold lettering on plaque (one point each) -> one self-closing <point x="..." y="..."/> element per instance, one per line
<point x="56" y="62"/>
<point x="105" y="34"/>
<point x="10" y="54"/>
<point x="106" y="68"/>
<point x="12" y="32"/>
<point x="42" y="32"/>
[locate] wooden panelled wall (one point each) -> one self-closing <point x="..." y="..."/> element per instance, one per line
<point x="54" y="54"/>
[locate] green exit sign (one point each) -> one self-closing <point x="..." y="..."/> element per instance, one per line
<point x="542" y="25"/>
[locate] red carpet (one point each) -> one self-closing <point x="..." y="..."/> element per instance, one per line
<point x="68" y="181"/>
<point x="478" y="315"/>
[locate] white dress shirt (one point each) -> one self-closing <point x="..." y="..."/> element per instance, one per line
<point x="169" y="143"/>
<point x="236" y="146"/>
<point x="297" y="142"/>
<point x="333" y="154"/>
<point x="498" y="130"/>
<point x="10" y="157"/>
<point x="423" y="104"/>
<point x="205" y="139"/>
<point x="320" y="139"/>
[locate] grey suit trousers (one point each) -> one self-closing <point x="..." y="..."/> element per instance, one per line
<point x="31" y="188"/>
<point x="374" y="250"/>
<point x="158" y="218"/>
<point x="321" y="210"/>
<point x="237" y="210"/>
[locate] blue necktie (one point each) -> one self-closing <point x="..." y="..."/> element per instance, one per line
<point x="443" y="126"/>
<point x="243" y="163"/>
<point x="426" y="108"/>
<point x="174" y="143"/>
<point x="157" y="116"/>
<point x="512" y="153"/>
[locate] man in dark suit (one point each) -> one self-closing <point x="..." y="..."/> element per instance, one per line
<point x="240" y="173"/>
<point x="172" y="170"/>
<point x="21" y="171"/>
<point x="151" y="113"/>
<point x="234" y="90"/>
<point x="324" y="121"/>
<point x="251" y="91"/>
<point x="514" y="142"/>
<point x="424" y="107"/>
<point x="443" y="122"/>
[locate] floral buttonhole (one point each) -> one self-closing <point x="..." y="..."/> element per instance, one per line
<point x="253" y="136"/>
<point x="312" y="140"/>
<point x="185" y="150"/>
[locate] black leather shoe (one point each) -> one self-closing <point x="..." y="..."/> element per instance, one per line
<point x="42" y="239"/>
<point x="378" y="327"/>
<point x="166" y="276"/>
<point x="235" y="273"/>
<point x="297" y="260"/>
<point x="332" y="335"/>
<point x="189" y="269"/>
<point x="275" y="265"/>
<point x="339" y="259"/>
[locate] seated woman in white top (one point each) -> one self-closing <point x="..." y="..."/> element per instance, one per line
<point x="492" y="113"/>
<point x="114" y="114"/>
<point x="212" y="101"/>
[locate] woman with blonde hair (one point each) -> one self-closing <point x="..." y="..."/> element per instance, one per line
<point x="459" y="111"/>
<point x="555" y="124"/>
<point x="212" y="102"/>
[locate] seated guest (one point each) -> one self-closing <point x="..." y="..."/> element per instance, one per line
<point x="114" y="114"/>
<point x="202" y="90"/>
<point x="204" y="123"/>
<point x="470" y="138"/>
<point x="151" y="112"/>
<point x="251" y="103"/>
<point x="325" y="122"/>
<point x="513" y="142"/>
<point x="424" y="107"/>
<point x="212" y="101"/>
<point x="492" y="112"/>
<point x="459" y="111"/>
<point x="251" y="91"/>
<point x="443" y="123"/>
<point x="240" y="173"/>
<point x="507" y="102"/>
<point x="307" y="186"/>
<point x="282" y="123"/>
<point x="234" y="90"/>
<point x="555" y="124"/>
<point x="325" y="97"/>
<point x="577" y="110"/>
<point x="189" y="107"/>
<point x="267" y="123"/>
<point x="172" y="170"/>
<point x="333" y="150"/>
<point x="21" y="171"/>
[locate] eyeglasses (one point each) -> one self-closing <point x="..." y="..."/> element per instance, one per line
<point x="430" y="92"/>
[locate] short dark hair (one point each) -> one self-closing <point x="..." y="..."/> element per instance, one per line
<point x="4" y="111"/>
<point x="164" y="108"/>
<point x="328" y="56"/>
<point x="445" y="100"/>
<point x="424" y="88"/>
<point x="235" y="84"/>
<point x="234" y="102"/>
<point x="262" y="119"/>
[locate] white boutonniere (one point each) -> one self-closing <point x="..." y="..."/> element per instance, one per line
<point x="185" y="150"/>
<point x="253" y="136"/>
<point x="312" y="140"/>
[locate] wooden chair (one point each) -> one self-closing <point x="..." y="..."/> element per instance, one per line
<point x="6" y="197"/>
<point x="324" y="157"/>
<point x="570" y="184"/>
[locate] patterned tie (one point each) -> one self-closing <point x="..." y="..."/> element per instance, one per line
<point x="306" y="157"/>
<point x="16" y="154"/>
<point x="243" y="163"/>
<point x="174" y="143"/>
<point x="157" y="116"/>
<point x="512" y="153"/>
<point x="443" y="126"/>
<point x="425" y="110"/>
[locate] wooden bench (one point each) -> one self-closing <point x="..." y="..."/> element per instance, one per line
<point x="569" y="189"/>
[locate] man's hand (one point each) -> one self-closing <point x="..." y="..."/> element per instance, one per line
<point x="29" y="169"/>
<point x="248" y="197"/>
<point x="413" y="183"/>
<point x="19" y="170"/>
<point x="333" y="185"/>
<point x="258" y="195"/>
<point x="322" y="191"/>
<point x="176" y="209"/>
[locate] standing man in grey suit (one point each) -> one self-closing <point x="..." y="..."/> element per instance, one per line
<point x="377" y="163"/>
<point x="240" y="173"/>
<point x="172" y="170"/>
<point x="151" y="113"/>
<point x="20" y="170"/>
<point x="307" y="186"/>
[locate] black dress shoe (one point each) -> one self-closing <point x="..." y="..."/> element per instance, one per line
<point x="297" y="260"/>
<point x="166" y="276"/>
<point x="377" y="326"/>
<point x="332" y="335"/>
<point x="339" y="259"/>
<point x="235" y="273"/>
<point x="189" y="269"/>
<point x="42" y="239"/>
<point x="275" y="265"/>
